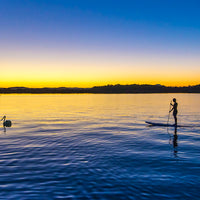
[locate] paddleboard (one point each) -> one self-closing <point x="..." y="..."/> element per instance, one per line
<point x="163" y="124"/>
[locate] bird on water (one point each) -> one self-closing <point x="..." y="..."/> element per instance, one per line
<point x="6" y="123"/>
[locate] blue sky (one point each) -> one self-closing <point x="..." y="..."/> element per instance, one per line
<point x="139" y="40"/>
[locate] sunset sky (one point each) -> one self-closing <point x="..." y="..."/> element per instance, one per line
<point x="83" y="43"/>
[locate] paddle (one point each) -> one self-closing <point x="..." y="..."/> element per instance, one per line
<point x="169" y="112"/>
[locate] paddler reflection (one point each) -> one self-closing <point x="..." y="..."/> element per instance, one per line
<point x="175" y="142"/>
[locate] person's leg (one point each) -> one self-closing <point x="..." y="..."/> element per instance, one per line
<point x="175" y="119"/>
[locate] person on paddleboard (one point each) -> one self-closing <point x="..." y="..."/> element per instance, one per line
<point x="174" y="109"/>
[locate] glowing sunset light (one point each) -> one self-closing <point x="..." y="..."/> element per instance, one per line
<point x="75" y="44"/>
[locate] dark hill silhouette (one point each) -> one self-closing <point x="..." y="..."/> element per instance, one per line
<point x="109" y="89"/>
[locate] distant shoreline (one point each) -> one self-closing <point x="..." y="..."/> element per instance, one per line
<point x="108" y="89"/>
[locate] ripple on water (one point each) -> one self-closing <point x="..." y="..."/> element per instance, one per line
<point x="96" y="151"/>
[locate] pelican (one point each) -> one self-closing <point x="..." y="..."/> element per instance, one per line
<point x="6" y="123"/>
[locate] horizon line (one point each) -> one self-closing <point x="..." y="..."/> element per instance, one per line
<point x="102" y="86"/>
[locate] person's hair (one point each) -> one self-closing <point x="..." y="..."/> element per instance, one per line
<point x="174" y="99"/>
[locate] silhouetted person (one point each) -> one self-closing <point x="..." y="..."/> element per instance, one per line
<point x="174" y="109"/>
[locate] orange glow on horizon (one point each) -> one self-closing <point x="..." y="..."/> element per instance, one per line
<point x="39" y="73"/>
<point x="91" y="83"/>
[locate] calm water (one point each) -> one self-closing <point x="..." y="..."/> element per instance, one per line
<point x="97" y="146"/>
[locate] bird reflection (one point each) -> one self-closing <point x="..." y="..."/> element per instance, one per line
<point x="4" y="129"/>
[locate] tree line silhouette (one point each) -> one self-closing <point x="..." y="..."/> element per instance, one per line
<point x="108" y="89"/>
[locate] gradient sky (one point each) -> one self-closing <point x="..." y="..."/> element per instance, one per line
<point x="56" y="43"/>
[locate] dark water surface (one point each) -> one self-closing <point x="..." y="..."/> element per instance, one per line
<point x="98" y="147"/>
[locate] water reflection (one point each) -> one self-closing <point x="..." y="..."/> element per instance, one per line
<point x="4" y="129"/>
<point x="98" y="147"/>
<point x="175" y="142"/>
